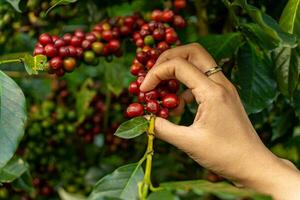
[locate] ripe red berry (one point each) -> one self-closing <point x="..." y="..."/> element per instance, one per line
<point x="107" y="35"/>
<point x="56" y="63"/>
<point x="159" y="34"/>
<point x="139" y="80"/>
<point x="67" y="38"/>
<point x="125" y="30"/>
<point x="86" y="44"/>
<point x="163" y="91"/>
<point x="50" y="50"/>
<point x="69" y="64"/>
<point x="38" y="45"/>
<point x="79" y="33"/>
<point x="163" y="113"/>
<point x="150" y="64"/>
<point x="38" y="51"/>
<point x="156" y="15"/>
<point x="168" y="16"/>
<point x="179" y="4"/>
<point x="162" y="46"/>
<point x="151" y="95"/>
<point x="144" y="32"/>
<point x="136" y="36"/>
<point x="142" y="57"/>
<point x="173" y="85"/>
<point x="98" y="28"/>
<point x="139" y="42"/>
<point x="134" y="110"/>
<point x="54" y="38"/>
<point x="45" y="39"/>
<point x="154" y="53"/>
<point x="171" y="37"/>
<point x="79" y="52"/>
<point x="90" y="37"/>
<point x="72" y="51"/>
<point x="63" y="52"/>
<point x="116" y="32"/>
<point x="135" y="68"/>
<point x="129" y="21"/>
<point x="76" y="41"/>
<point x="114" y="45"/>
<point x="179" y="22"/>
<point x="60" y="72"/>
<point x="133" y="88"/>
<point x="59" y="43"/>
<point x="170" y="101"/>
<point x="141" y="97"/>
<point x="152" y="106"/>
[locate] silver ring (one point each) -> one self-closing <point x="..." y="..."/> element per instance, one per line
<point x="213" y="70"/>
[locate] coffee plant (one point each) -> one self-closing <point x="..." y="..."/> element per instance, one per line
<point x="80" y="65"/>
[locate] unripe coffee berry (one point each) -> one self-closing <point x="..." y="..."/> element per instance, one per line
<point x="97" y="47"/>
<point x="69" y="64"/>
<point x="148" y="40"/>
<point x="89" y="56"/>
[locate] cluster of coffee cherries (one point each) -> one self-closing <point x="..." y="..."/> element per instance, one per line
<point x="154" y="38"/>
<point x="64" y="53"/>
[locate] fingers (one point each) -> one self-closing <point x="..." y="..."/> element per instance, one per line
<point x="181" y="70"/>
<point x="195" y="54"/>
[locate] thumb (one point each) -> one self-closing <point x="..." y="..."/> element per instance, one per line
<point x="171" y="133"/>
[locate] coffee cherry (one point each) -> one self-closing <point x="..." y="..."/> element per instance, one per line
<point x="179" y="22"/>
<point x="133" y="88"/>
<point x="45" y="39"/>
<point x="79" y="52"/>
<point x="148" y="40"/>
<point x="56" y="63"/>
<point x="59" y="43"/>
<point x="139" y="80"/>
<point x="97" y="47"/>
<point x="116" y="33"/>
<point x="141" y="97"/>
<point x="168" y="16"/>
<point x="151" y="95"/>
<point x="60" y="72"/>
<point x="129" y="21"/>
<point x="162" y="46"/>
<point x="159" y="34"/>
<point x="50" y="50"/>
<point x="173" y="85"/>
<point x="76" y="41"/>
<point x="163" y="113"/>
<point x="170" y="101"/>
<point x="86" y="44"/>
<point x="114" y="45"/>
<point x="136" y="36"/>
<point x="142" y="57"/>
<point x="90" y="37"/>
<point x="38" y="51"/>
<point x="134" y="110"/>
<point x="72" y="51"/>
<point x="54" y="38"/>
<point x="135" y="68"/>
<point x="67" y="38"/>
<point x="107" y="35"/>
<point x="144" y="32"/>
<point x="139" y="42"/>
<point x="150" y="64"/>
<point x="156" y="15"/>
<point x="63" y="52"/>
<point x="89" y="56"/>
<point x="154" y="53"/>
<point x="38" y="45"/>
<point x="171" y="37"/>
<point x="125" y="30"/>
<point x="79" y="33"/>
<point x="179" y="4"/>
<point x="69" y="64"/>
<point x="152" y="106"/>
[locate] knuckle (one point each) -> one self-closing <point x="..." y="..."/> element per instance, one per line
<point x="220" y="94"/>
<point x="196" y="46"/>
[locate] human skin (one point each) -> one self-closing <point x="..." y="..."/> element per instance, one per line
<point x="221" y="137"/>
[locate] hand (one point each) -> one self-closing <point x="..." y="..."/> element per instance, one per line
<point x="221" y="137"/>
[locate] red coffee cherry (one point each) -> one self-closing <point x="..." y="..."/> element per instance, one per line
<point x="141" y="97"/>
<point x="69" y="64"/>
<point x="162" y="46"/>
<point x="79" y="52"/>
<point x="163" y="91"/>
<point x="39" y="51"/>
<point x="63" y="52"/>
<point x="140" y="79"/>
<point x="170" y="101"/>
<point x="54" y="38"/>
<point x="171" y="37"/>
<point x="163" y="113"/>
<point x="107" y="35"/>
<point x="154" y="53"/>
<point x="129" y="21"/>
<point x="72" y="51"/>
<point x="179" y="22"/>
<point x="142" y="57"/>
<point x="114" y="45"/>
<point x="168" y="16"/>
<point x="156" y="15"/>
<point x="133" y="88"/>
<point x="60" y="72"/>
<point x="150" y="64"/>
<point x="76" y="41"/>
<point x="139" y="42"/>
<point x="136" y="36"/>
<point x="45" y="39"/>
<point x="86" y="44"/>
<point x="67" y="38"/>
<point x="125" y="30"/>
<point x="79" y="33"/>
<point x="135" y="69"/>
<point x="173" y="85"/>
<point x="179" y="4"/>
<point x="50" y="50"/>
<point x="152" y="106"/>
<point x="56" y="63"/>
<point x="134" y="110"/>
<point x="159" y="34"/>
<point x="151" y="95"/>
<point x="90" y="37"/>
<point x="59" y="43"/>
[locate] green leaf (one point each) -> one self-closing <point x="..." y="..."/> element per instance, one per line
<point x="55" y="3"/>
<point x="12" y="170"/>
<point x="254" y="78"/>
<point x="121" y="183"/>
<point x="296" y="101"/>
<point x="268" y="24"/>
<point x="282" y="123"/>
<point x="12" y="117"/>
<point x="132" y="128"/>
<point x="24" y="182"/>
<point x="83" y="100"/>
<point x="221" y="189"/>
<point x="35" y="64"/>
<point x="162" y="194"/>
<point x="15" y="4"/>
<point x="257" y="35"/>
<point x="289" y="151"/>
<point x="222" y="46"/>
<point x="68" y="196"/>
<point x="287" y="60"/>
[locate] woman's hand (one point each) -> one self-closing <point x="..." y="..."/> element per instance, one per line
<point x="221" y="137"/>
